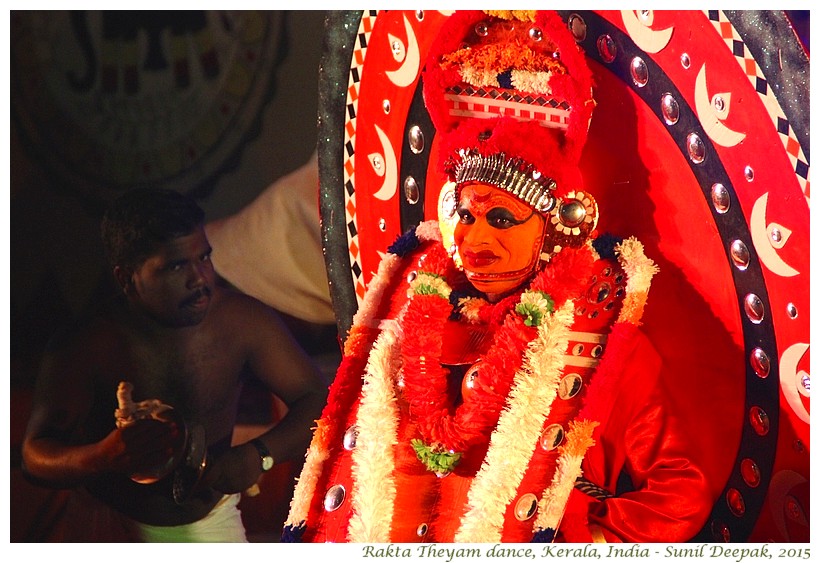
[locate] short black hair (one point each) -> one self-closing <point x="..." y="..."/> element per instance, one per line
<point x="138" y="222"/>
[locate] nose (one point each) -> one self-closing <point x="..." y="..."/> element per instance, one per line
<point x="197" y="275"/>
<point x="478" y="233"/>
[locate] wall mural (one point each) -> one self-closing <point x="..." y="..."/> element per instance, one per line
<point x="112" y="100"/>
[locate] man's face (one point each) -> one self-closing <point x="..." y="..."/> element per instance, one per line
<point x="498" y="238"/>
<point x="174" y="285"/>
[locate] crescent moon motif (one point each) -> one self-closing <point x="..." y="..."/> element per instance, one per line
<point x="406" y="74"/>
<point x="391" y="175"/>
<point x="641" y="33"/>
<point x="790" y="379"/>
<point x="763" y="242"/>
<point x="711" y="117"/>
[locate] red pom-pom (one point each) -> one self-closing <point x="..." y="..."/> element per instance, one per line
<point x="540" y="146"/>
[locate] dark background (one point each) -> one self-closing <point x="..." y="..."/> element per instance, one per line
<point x="56" y="263"/>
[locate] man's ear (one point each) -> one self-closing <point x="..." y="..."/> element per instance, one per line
<point x="124" y="277"/>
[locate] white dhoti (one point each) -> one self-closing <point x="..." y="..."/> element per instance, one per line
<point x="222" y="524"/>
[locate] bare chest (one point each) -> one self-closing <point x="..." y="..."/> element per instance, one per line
<point x="199" y="377"/>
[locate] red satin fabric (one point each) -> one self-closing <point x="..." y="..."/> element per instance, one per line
<point x="671" y="498"/>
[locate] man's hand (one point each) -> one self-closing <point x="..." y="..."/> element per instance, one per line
<point x="145" y="446"/>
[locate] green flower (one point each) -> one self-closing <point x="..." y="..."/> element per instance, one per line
<point x="534" y="306"/>
<point x="427" y="283"/>
<point x="437" y="462"/>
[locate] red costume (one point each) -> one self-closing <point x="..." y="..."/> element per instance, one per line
<point x="481" y="401"/>
<point x="636" y="435"/>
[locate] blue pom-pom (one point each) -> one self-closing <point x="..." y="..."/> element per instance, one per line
<point x="605" y="245"/>
<point x="404" y="244"/>
<point x="505" y="79"/>
<point x="292" y="534"/>
<point x="544" y="536"/>
<point x="456" y="296"/>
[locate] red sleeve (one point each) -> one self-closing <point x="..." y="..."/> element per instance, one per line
<point x="671" y="500"/>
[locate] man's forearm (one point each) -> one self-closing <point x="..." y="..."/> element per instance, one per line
<point x="57" y="465"/>
<point x="289" y="439"/>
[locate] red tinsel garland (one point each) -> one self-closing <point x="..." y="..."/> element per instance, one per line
<point x="425" y="379"/>
<point x="348" y="381"/>
<point x="443" y="428"/>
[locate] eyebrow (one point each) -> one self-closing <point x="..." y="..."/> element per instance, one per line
<point x="167" y="265"/>
<point x="505" y="213"/>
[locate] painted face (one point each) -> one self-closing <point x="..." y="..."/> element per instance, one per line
<point x="498" y="238"/>
<point x="174" y="285"/>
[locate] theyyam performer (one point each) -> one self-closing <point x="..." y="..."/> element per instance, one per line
<point x="495" y="385"/>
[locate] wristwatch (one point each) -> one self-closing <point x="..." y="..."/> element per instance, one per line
<point x="264" y="455"/>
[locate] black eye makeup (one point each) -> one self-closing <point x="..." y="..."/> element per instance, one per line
<point x="465" y="216"/>
<point x="503" y="218"/>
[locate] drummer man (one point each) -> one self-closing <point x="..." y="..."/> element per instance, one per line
<point x="176" y="336"/>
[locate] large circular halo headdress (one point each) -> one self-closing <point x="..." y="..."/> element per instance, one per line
<point x="699" y="147"/>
